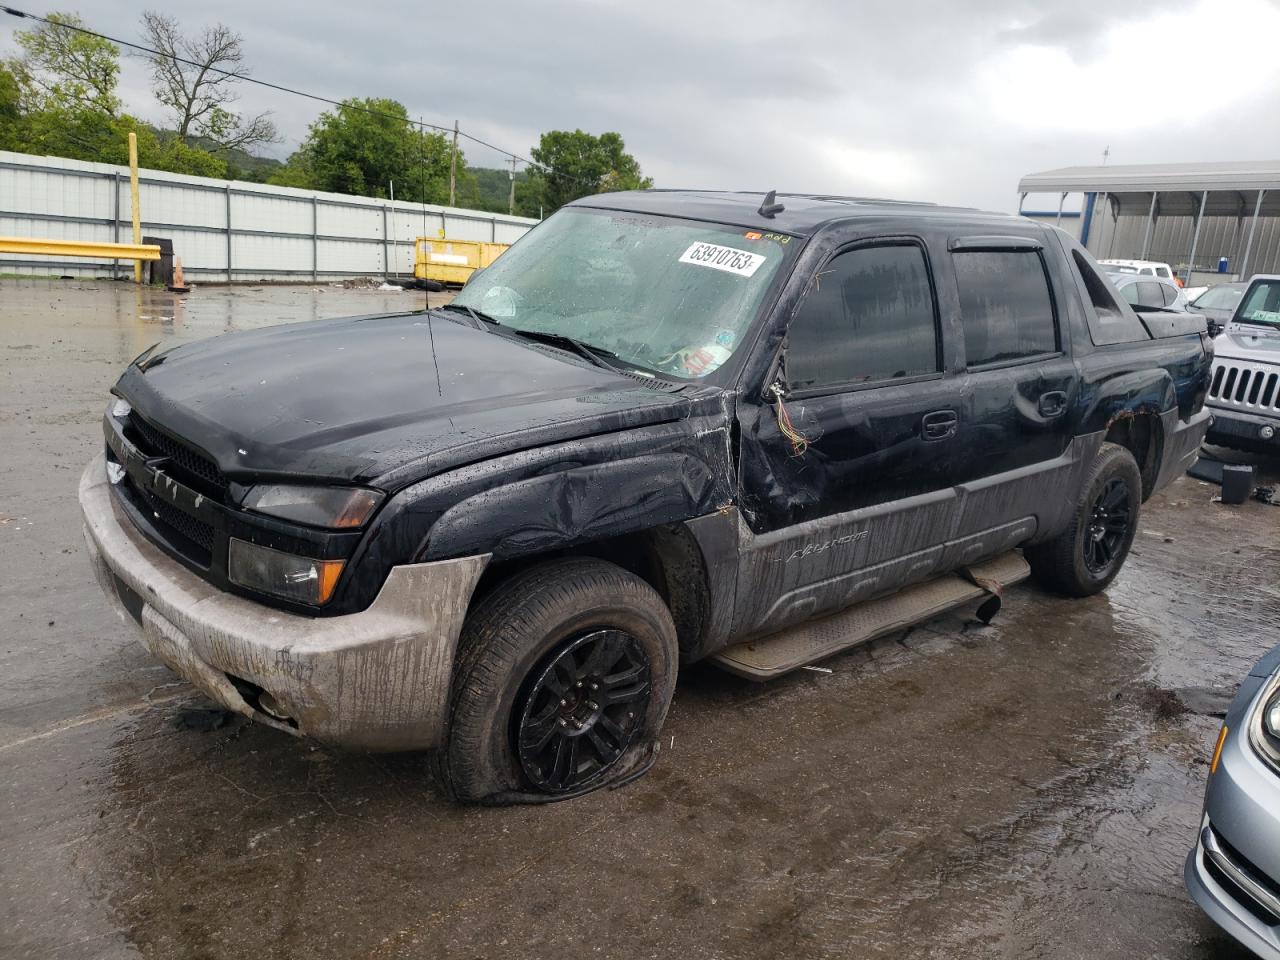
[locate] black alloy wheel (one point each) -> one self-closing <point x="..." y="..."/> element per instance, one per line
<point x="581" y="713"/>
<point x="1108" y="526"/>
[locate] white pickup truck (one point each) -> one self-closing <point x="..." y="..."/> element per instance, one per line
<point x="1244" y="391"/>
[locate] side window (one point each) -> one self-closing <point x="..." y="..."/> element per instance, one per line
<point x="1005" y="305"/>
<point x="1132" y="295"/>
<point x="1109" y="322"/>
<point x="1170" y="294"/>
<point x="1162" y="272"/>
<point x="869" y="315"/>
<point x="1149" y="294"/>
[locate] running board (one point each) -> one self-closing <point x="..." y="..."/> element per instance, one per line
<point x="806" y="643"/>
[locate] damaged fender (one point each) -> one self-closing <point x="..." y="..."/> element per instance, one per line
<point x="576" y="506"/>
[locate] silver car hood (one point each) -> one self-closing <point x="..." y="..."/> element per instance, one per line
<point x="1248" y="341"/>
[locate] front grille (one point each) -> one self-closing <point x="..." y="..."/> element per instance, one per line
<point x="191" y="537"/>
<point x="1248" y="386"/>
<point x="1243" y="868"/>
<point x="154" y="443"/>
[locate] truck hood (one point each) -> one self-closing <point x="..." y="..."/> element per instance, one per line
<point x="359" y="398"/>
<point x="1248" y="341"/>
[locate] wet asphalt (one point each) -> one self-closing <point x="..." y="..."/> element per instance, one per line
<point x="1027" y="789"/>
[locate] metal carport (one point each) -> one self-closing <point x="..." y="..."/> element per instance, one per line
<point x="1189" y="214"/>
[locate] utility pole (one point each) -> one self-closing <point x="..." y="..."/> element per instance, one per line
<point x="511" y="204"/>
<point x="453" y="168"/>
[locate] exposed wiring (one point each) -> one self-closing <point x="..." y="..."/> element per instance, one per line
<point x="22" y="14"/>
<point x="799" y="442"/>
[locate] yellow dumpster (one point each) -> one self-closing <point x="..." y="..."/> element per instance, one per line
<point x="453" y="261"/>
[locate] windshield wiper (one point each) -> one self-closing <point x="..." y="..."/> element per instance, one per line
<point x="479" y="317"/>
<point x="594" y="355"/>
<point x="1266" y="324"/>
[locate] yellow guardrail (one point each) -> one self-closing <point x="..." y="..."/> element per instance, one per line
<point x="453" y="261"/>
<point x="80" y="248"/>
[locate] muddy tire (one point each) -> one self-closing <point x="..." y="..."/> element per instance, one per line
<point x="562" y="681"/>
<point x="1085" y="558"/>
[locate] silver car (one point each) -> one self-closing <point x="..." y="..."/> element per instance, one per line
<point x="1234" y="870"/>
<point x="1148" y="293"/>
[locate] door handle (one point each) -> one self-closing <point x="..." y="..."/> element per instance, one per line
<point x="1052" y="404"/>
<point x="939" y="425"/>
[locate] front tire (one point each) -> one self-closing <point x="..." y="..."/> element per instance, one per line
<point x="563" y="678"/>
<point x="1087" y="556"/>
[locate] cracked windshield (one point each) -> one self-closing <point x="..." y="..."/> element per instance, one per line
<point x="667" y="295"/>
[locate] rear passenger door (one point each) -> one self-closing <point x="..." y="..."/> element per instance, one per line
<point x="860" y="497"/>
<point x="1021" y="392"/>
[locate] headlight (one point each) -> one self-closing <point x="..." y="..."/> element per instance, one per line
<point x="1271" y="717"/>
<point x="120" y="408"/>
<point x="1264" y="723"/>
<point x="282" y="574"/>
<point x="335" y="507"/>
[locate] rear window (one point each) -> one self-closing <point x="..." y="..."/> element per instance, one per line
<point x="1005" y="305"/>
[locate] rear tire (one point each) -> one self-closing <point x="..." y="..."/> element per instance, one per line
<point x="563" y="679"/>
<point x="1087" y="556"/>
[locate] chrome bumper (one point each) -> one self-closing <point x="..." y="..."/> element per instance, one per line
<point x="376" y="680"/>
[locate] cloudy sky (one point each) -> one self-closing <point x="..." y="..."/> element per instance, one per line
<point x="946" y="101"/>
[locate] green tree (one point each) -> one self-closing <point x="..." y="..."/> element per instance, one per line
<point x="64" y="69"/>
<point x="576" y="164"/>
<point x="362" y="146"/>
<point x="13" y="122"/>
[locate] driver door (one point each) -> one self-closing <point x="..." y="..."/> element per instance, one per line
<point x="846" y="478"/>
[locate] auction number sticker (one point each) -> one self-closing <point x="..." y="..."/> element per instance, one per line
<point x="742" y="262"/>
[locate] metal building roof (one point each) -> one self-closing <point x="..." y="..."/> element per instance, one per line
<point x="1245" y="175"/>
<point x="1232" y="188"/>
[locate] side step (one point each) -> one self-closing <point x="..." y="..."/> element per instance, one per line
<point x="818" y="639"/>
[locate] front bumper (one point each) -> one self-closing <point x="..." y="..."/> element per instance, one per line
<point x="376" y="680"/>
<point x="1234" y="871"/>
<point x="1234" y="428"/>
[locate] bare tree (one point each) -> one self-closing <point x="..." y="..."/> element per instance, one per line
<point x="195" y="77"/>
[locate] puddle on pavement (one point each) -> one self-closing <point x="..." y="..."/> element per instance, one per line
<point x="1028" y="788"/>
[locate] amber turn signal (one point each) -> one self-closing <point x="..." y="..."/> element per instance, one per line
<point x="1217" y="751"/>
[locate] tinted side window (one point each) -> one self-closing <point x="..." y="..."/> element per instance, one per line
<point x="1131" y="294"/>
<point x="1005" y="305"/>
<point x="1169" y="293"/>
<point x="868" y="315"/>
<point x="1149" y="294"/>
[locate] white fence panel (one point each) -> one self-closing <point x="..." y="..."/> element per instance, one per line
<point x="271" y="233"/>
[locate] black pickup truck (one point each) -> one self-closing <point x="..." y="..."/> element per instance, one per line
<point x="663" y="427"/>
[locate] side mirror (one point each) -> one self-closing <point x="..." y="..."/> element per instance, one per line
<point x="1215" y="328"/>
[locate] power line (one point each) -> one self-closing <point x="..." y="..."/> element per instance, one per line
<point x="23" y="15"/>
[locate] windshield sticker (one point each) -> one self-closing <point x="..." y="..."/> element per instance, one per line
<point x="697" y="361"/>
<point x="1264" y="316"/>
<point x="730" y="260"/>
<point x="752" y="235"/>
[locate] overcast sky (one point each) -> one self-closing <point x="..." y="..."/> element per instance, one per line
<point x="945" y="101"/>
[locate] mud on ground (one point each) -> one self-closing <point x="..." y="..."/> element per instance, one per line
<point x="1024" y="789"/>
